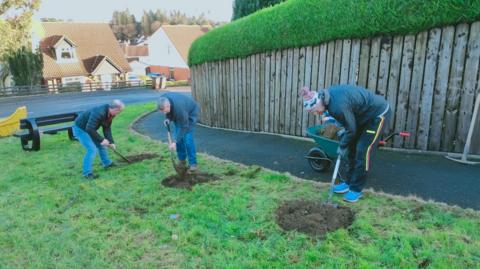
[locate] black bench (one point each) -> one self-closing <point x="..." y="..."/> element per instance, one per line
<point x="32" y="131"/>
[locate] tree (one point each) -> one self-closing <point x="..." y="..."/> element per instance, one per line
<point x="122" y="22"/>
<point x="161" y="16"/>
<point x="200" y="20"/>
<point x="26" y="66"/>
<point x="124" y="25"/>
<point x="146" y="23"/>
<point x="178" y="17"/>
<point x="4" y="73"/>
<point x="15" y="21"/>
<point x="242" y="8"/>
<point x="155" y="25"/>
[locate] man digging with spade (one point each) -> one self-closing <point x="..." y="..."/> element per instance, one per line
<point x="85" y="130"/>
<point x="183" y="111"/>
<point x="364" y="115"/>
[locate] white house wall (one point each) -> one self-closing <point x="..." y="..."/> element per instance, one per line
<point x="138" y="68"/>
<point x="64" y="45"/>
<point x="162" y="52"/>
<point x="78" y="79"/>
<point x="106" y="68"/>
<point x="144" y="59"/>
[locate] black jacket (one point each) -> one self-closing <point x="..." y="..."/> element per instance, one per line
<point x="353" y="106"/>
<point x="184" y="112"/>
<point x="91" y="120"/>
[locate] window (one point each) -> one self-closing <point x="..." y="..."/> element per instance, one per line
<point x="66" y="54"/>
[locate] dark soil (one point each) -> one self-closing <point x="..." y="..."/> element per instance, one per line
<point x="313" y="218"/>
<point x="329" y="131"/>
<point x="140" y="157"/>
<point x="188" y="180"/>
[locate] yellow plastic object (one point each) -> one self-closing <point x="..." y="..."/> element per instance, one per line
<point x="11" y="124"/>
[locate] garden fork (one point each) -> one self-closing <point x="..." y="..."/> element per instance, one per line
<point x="332" y="184"/>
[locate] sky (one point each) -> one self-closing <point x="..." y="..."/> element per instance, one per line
<point x="102" y="10"/>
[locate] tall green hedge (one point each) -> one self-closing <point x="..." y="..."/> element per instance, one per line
<point x="242" y="8"/>
<point x="297" y="23"/>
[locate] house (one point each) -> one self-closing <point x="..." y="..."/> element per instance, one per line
<point x="137" y="57"/>
<point x="81" y="53"/>
<point x="168" y="49"/>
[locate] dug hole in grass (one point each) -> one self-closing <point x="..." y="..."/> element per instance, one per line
<point x="128" y="219"/>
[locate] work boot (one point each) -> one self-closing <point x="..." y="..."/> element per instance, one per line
<point x="91" y="176"/>
<point x="193" y="169"/>
<point x="341" y="188"/>
<point x="352" y="196"/>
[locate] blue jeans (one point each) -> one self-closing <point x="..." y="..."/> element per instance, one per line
<point x="186" y="147"/>
<point x="92" y="150"/>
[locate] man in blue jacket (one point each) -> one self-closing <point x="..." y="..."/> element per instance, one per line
<point x="183" y="111"/>
<point x="85" y="130"/>
<point x="364" y="116"/>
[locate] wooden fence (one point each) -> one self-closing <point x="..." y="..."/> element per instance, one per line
<point x="430" y="79"/>
<point x="71" y="87"/>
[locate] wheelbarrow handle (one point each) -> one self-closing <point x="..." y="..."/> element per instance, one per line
<point x="390" y="136"/>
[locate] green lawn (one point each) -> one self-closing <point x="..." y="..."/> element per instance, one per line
<point x="122" y="220"/>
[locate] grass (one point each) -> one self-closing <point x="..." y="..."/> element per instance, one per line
<point x="122" y="220"/>
<point x="297" y="23"/>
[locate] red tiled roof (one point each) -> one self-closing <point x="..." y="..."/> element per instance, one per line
<point x="182" y="36"/>
<point x="91" y="40"/>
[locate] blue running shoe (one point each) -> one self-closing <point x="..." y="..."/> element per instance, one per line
<point x="352" y="196"/>
<point x="341" y="188"/>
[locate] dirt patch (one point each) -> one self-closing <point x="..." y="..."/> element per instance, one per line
<point x="329" y="131"/>
<point x="313" y="218"/>
<point x="140" y="157"/>
<point x="188" y="180"/>
<point x="424" y="263"/>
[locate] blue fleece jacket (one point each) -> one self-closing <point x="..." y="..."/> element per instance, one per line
<point x="353" y="106"/>
<point x="184" y="112"/>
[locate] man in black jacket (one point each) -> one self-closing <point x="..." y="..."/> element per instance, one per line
<point x="364" y="115"/>
<point x="184" y="112"/>
<point x="85" y="130"/>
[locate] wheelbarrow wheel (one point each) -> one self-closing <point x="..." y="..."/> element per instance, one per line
<point x="322" y="163"/>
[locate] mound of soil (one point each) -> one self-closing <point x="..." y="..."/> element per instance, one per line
<point x="140" y="157"/>
<point x="187" y="180"/>
<point x="329" y="131"/>
<point x="313" y="218"/>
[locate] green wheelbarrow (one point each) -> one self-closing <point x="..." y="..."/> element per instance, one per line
<point x="324" y="153"/>
<point x="320" y="157"/>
